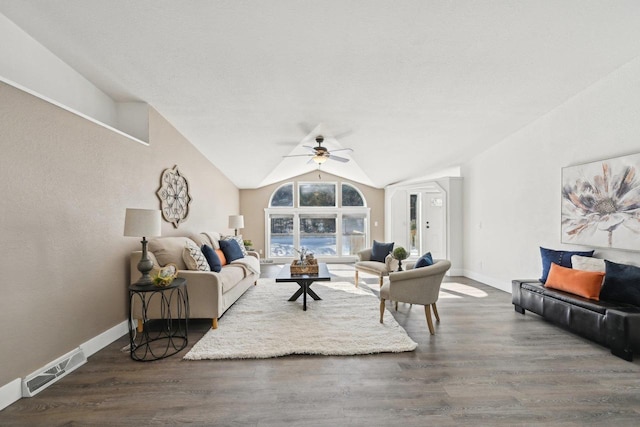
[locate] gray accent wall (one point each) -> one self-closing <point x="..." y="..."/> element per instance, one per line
<point x="66" y="183"/>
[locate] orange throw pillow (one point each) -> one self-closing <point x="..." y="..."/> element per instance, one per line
<point x="583" y="283"/>
<point x="223" y="260"/>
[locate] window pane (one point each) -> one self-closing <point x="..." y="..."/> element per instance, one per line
<point x="314" y="194"/>
<point x="281" y="243"/>
<point x="413" y="218"/>
<point x="283" y="196"/>
<point x="318" y="234"/>
<point x="353" y="234"/>
<point x="351" y="196"/>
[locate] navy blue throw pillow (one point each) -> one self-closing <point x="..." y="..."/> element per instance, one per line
<point x="212" y="258"/>
<point x="424" y="261"/>
<point x="562" y="258"/>
<point x="621" y="283"/>
<point x="379" y="251"/>
<point x="231" y="250"/>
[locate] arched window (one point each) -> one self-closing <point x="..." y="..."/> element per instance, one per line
<point x="326" y="222"/>
<point x="351" y="196"/>
<point x="283" y="196"/>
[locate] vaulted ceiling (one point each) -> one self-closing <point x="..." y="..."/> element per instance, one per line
<point x="412" y="86"/>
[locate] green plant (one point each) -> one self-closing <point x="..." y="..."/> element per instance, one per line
<point x="400" y="253"/>
<point x="247" y="243"/>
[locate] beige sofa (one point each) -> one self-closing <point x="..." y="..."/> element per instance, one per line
<point x="210" y="293"/>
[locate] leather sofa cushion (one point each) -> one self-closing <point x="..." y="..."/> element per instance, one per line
<point x="597" y="306"/>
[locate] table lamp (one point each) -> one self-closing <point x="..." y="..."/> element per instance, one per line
<point x="235" y="222"/>
<point x="143" y="223"/>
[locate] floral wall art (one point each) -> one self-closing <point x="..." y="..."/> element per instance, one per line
<point x="601" y="203"/>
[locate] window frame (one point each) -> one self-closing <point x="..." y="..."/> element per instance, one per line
<point x="297" y="211"/>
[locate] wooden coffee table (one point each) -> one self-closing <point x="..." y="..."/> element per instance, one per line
<point x="304" y="281"/>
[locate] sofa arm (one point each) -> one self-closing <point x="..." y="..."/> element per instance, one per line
<point x="364" y="255"/>
<point x="623" y="331"/>
<point x="254" y="254"/>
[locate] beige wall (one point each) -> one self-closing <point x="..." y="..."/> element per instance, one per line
<point x="66" y="183"/>
<point x="254" y="201"/>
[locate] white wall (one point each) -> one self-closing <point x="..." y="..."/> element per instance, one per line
<point x="512" y="191"/>
<point x="28" y="65"/>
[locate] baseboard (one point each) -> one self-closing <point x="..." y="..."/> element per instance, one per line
<point x="104" y="339"/>
<point x="455" y="272"/>
<point x="494" y="283"/>
<point x="12" y="392"/>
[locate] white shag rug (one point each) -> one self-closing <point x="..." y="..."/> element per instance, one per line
<point x="263" y="324"/>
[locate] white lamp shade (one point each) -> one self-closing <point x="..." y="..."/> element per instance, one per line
<point x="236" y="221"/>
<point x="142" y="223"/>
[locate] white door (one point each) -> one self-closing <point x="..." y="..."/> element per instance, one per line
<point x="433" y="224"/>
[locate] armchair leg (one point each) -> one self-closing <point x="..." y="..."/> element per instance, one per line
<point x="435" y="312"/>
<point x="396" y="305"/>
<point x="356" y="278"/>
<point x="380" y="281"/>
<point x="140" y="326"/>
<point x="214" y="324"/>
<point x="427" y="312"/>
<point x="381" y="310"/>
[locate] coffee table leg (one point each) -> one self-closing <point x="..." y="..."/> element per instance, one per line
<point x="313" y="294"/>
<point x="297" y="294"/>
<point x="304" y="297"/>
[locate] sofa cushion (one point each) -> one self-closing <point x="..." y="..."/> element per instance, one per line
<point x="168" y="250"/>
<point x="424" y="261"/>
<point x="240" y="242"/>
<point x="562" y="258"/>
<point x="231" y="250"/>
<point x="212" y="258"/>
<point x="379" y="251"/>
<point x="586" y="263"/>
<point x="586" y="284"/>
<point x="373" y="267"/>
<point x="194" y="258"/>
<point x="230" y="276"/>
<point x="621" y="283"/>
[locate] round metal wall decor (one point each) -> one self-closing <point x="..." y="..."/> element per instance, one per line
<point x="174" y="196"/>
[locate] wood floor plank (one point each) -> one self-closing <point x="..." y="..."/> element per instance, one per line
<point x="486" y="365"/>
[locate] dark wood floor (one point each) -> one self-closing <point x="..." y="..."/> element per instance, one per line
<point x="486" y="365"/>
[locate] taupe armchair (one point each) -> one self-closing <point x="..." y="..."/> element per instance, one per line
<point x="416" y="286"/>
<point x="380" y="269"/>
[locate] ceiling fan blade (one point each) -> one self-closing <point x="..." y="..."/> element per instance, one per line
<point x="343" y="149"/>
<point x="340" y="159"/>
<point x="313" y="149"/>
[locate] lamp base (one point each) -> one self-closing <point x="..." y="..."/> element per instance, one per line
<point x="145" y="265"/>
<point x="145" y="280"/>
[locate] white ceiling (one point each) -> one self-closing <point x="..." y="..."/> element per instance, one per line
<point x="413" y="86"/>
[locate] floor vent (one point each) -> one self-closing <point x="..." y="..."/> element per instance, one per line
<point x="43" y="378"/>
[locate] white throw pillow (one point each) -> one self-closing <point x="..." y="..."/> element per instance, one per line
<point x="585" y="263"/>
<point x="194" y="258"/>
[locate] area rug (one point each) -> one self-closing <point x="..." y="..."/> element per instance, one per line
<point x="263" y="324"/>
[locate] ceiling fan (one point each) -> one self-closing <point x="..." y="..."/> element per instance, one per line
<point x="320" y="154"/>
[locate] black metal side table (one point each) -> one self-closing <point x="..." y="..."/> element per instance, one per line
<point x="168" y="307"/>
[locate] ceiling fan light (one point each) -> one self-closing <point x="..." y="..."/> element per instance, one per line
<point x="319" y="159"/>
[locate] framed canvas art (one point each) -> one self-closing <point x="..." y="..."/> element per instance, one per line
<point x="601" y="203"/>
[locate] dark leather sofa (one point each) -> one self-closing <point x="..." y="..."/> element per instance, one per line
<point x="613" y="325"/>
